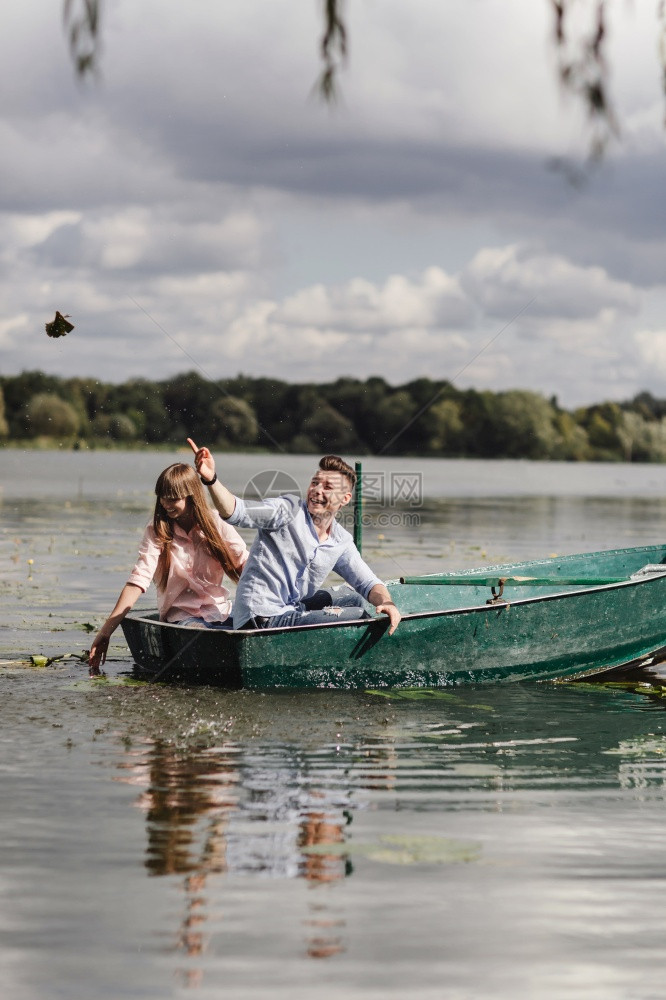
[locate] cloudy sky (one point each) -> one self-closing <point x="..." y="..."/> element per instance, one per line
<point x="196" y="208"/>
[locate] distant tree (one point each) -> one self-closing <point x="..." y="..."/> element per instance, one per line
<point x="100" y="425"/>
<point x="301" y="444"/>
<point x="233" y="422"/>
<point x="642" y="440"/>
<point x="76" y="392"/>
<point x="352" y="398"/>
<point x="187" y="400"/>
<point x="348" y="416"/>
<point x="392" y="415"/>
<point x="524" y="422"/>
<point x="277" y="408"/>
<point x="425" y="392"/>
<point x="4" y="426"/>
<point x="480" y="437"/>
<point x="328" y="430"/>
<point x="122" y="427"/>
<point x="18" y="390"/>
<point x="50" y="416"/>
<point x="88" y="395"/>
<point x="360" y="403"/>
<point x="657" y="441"/>
<point x="445" y="426"/>
<point x="142" y="401"/>
<point x="115" y="426"/>
<point x="649" y="406"/>
<point x="634" y="436"/>
<point x="572" y="441"/>
<point x="602" y="424"/>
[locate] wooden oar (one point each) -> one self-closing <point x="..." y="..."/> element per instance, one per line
<point x="510" y="581"/>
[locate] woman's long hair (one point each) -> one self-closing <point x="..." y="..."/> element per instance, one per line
<point x="175" y="483"/>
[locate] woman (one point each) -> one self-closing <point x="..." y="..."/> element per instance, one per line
<point x="186" y="549"/>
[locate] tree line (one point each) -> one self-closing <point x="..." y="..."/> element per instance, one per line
<point x="348" y="415"/>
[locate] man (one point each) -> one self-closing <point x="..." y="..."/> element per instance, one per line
<point x="298" y="544"/>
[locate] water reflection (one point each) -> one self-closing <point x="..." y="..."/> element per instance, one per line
<point x="272" y="827"/>
<point x="187" y="801"/>
<point x="256" y="807"/>
<point x="219" y="811"/>
<point x="187" y="797"/>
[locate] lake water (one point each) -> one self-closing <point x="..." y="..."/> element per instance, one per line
<point x="497" y="841"/>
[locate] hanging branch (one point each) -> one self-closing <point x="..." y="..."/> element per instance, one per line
<point x="661" y="17"/>
<point x="333" y="49"/>
<point x="583" y="71"/>
<point x="581" y="63"/>
<point x="81" y="19"/>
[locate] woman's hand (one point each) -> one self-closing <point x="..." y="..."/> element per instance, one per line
<point x="100" y="646"/>
<point x="203" y="461"/>
<point x="98" y="651"/>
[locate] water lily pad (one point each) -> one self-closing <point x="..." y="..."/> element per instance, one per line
<point x="39" y="660"/>
<point x="426" y="694"/>
<point x="404" y="850"/>
<point x="654" y="689"/>
<point x="102" y="680"/>
<point x="641" y="746"/>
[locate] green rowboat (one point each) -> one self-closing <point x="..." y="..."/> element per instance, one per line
<point x="538" y="620"/>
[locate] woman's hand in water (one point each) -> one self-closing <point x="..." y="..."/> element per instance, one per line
<point x="203" y="461"/>
<point x="100" y="646"/>
<point x="98" y="651"/>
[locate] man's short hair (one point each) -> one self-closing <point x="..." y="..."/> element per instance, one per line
<point x="333" y="463"/>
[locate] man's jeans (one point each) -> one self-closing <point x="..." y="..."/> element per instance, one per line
<point x="325" y="606"/>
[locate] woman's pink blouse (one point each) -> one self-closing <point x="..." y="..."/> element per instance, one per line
<point x="194" y="586"/>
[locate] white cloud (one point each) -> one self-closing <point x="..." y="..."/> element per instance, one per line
<point x="156" y="240"/>
<point x="23" y="231"/>
<point x="12" y="328"/>
<point x="182" y="183"/>
<point x="435" y="300"/>
<point x="651" y="349"/>
<point x="503" y="280"/>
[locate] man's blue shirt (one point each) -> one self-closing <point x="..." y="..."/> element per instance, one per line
<point x="288" y="562"/>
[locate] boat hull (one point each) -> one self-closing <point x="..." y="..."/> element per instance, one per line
<point x="448" y="635"/>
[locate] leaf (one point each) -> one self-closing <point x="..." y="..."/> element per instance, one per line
<point x="59" y="326"/>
